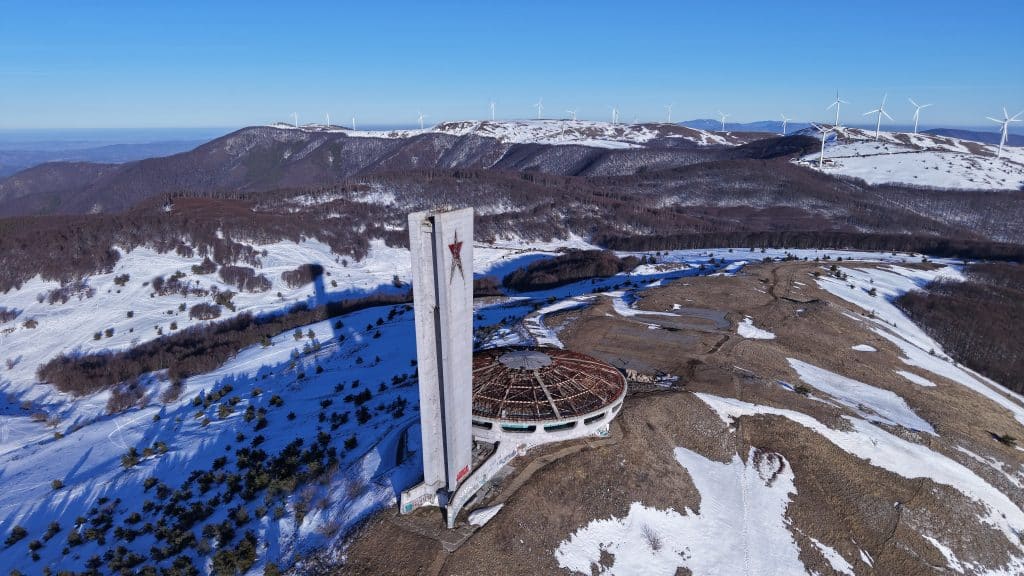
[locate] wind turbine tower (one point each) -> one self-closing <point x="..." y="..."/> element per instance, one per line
<point x="421" y="117"/>
<point x="724" y="116"/>
<point x="917" y="112"/>
<point x="836" y="105"/>
<point x="295" y="119"/>
<point x="785" y="121"/>
<point x="353" y="122"/>
<point x="493" y="104"/>
<point x="540" y="107"/>
<point x="328" y="115"/>
<point x="572" y="114"/>
<point x="1007" y="119"/>
<point x="615" y="114"/>
<point x="669" y="108"/>
<point x="880" y="111"/>
<point x="824" y="134"/>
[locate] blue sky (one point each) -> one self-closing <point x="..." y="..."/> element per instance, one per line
<point x="88" y="64"/>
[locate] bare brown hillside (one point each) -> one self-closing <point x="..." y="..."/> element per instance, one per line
<point x="878" y="521"/>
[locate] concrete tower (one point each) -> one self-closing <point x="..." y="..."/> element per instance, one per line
<point x="441" y="244"/>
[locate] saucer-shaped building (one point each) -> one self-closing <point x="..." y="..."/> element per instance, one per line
<point x="539" y="395"/>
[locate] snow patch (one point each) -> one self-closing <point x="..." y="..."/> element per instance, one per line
<point x="482" y="516"/>
<point x="870" y="402"/>
<point x="747" y="329"/>
<point x="916" y="379"/>
<point x="896" y="455"/>
<point x="741" y="527"/>
<point x="835" y="559"/>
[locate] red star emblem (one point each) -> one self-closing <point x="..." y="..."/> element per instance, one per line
<point x="456" y="249"/>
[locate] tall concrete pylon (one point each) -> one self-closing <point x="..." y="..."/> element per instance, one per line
<point x="441" y="244"/>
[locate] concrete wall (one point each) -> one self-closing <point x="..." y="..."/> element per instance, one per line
<point x="442" y="272"/>
<point x="598" y="427"/>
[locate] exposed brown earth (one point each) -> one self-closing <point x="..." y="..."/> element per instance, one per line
<point x="840" y="499"/>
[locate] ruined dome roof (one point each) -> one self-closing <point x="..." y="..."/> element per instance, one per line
<point x="541" y="384"/>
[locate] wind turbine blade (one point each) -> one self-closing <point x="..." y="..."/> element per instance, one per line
<point x="994" y="120"/>
<point x="1014" y="119"/>
<point x="832" y="105"/>
<point x="886" y="114"/>
<point x="926" y="105"/>
<point x="911" y="100"/>
<point x="870" y="112"/>
<point x="1005" y="113"/>
<point x="844" y="101"/>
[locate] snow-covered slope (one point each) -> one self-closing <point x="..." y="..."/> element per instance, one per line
<point x="578" y="132"/>
<point x="919" y="160"/>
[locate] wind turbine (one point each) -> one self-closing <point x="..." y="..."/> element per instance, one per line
<point x="1005" y="128"/>
<point x="540" y="107"/>
<point x="784" y="122"/>
<point x="917" y="113"/>
<point x="880" y="111"/>
<point x="328" y="114"/>
<point x="353" y="121"/>
<point x="724" y="116"/>
<point x="493" y="104"/>
<point x="615" y="114"/>
<point x="295" y="117"/>
<point x="824" y="134"/>
<point x="836" y="104"/>
<point x="572" y="113"/>
<point x="669" y="108"/>
<point x="422" y="116"/>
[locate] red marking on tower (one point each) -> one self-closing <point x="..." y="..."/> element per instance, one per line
<point x="456" y="249"/>
<point x="462" y="473"/>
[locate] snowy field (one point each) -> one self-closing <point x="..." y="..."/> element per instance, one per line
<point x="346" y="383"/>
<point x="920" y="160"/>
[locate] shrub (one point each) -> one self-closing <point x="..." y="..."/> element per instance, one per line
<point x="224" y="299"/>
<point x="204" y="311"/>
<point x="244" y="278"/>
<point x="1006" y="439"/>
<point x="57" y="484"/>
<point x="17" y="533"/>
<point x="302" y="275"/>
<point x="122" y="279"/>
<point x="237" y="560"/>
<point x="125" y="396"/>
<point x="363" y="415"/>
<point x="130" y="458"/>
<point x="351" y="442"/>
<point x="207" y="266"/>
<point x="8" y="314"/>
<point x="567" y="268"/>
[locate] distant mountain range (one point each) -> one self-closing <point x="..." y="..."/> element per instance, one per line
<point x="262" y="158"/>
<point x="775" y="126"/>
<point x="17" y="159"/>
<point x="771" y="126"/>
<point x="977" y="136"/>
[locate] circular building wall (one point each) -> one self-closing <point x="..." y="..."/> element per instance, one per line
<point x="538" y="395"/>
